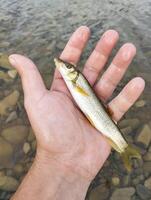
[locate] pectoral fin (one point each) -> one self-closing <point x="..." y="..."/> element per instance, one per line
<point x="81" y="90"/>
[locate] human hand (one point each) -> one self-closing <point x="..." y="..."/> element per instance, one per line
<point x="63" y="134"/>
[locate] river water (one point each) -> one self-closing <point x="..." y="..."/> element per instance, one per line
<point x="40" y="30"/>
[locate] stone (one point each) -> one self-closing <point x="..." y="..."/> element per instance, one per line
<point x="12" y="73"/>
<point x="26" y="147"/>
<point x="123" y="193"/>
<point x="147" y="156"/>
<point x="4" y="62"/>
<point x="140" y="103"/>
<point x="138" y="179"/>
<point x="148" y="183"/>
<point x="11" y="117"/>
<point x="126" y="180"/>
<point x="9" y="101"/>
<point x="15" y="134"/>
<point x="144" y="137"/>
<point x="31" y="135"/>
<point x="115" y="180"/>
<point x="4" y="76"/>
<point x="6" y="152"/>
<point x="8" y="183"/>
<point x="99" y="193"/>
<point x="18" y="169"/>
<point x="133" y="123"/>
<point x="4" y="44"/>
<point x="126" y="130"/>
<point x="33" y="145"/>
<point x="143" y="192"/>
<point x="2" y="173"/>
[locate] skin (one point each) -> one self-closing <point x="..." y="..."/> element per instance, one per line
<point x="70" y="152"/>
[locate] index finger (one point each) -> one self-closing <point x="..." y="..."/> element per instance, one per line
<point x="73" y="50"/>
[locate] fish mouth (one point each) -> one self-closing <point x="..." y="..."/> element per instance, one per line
<point x="58" y="62"/>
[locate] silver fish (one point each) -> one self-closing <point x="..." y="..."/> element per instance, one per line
<point x="95" y="111"/>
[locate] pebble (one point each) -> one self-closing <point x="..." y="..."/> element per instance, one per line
<point x="140" y="103"/>
<point x="18" y="169"/>
<point x="126" y="130"/>
<point x="31" y="135"/>
<point x="99" y="193"/>
<point x="147" y="156"/>
<point x="4" y="44"/>
<point x="126" y="180"/>
<point x="148" y="183"/>
<point x="4" y="61"/>
<point x="15" y="134"/>
<point x="33" y="145"/>
<point x="8" y="183"/>
<point x="11" y="117"/>
<point x="26" y="147"/>
<point x="133" y="123"/>
<point x="9" y="101"/>
<point x="12" y="73"/>
<point x="144" y="137"/>
<point x="123" y="193"/>
<point x="115" y="180"/>
<point x="6" y="152"/>
<point x="143" y="192"/>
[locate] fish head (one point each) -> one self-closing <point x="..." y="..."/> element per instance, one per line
<point x="67" y="70"/>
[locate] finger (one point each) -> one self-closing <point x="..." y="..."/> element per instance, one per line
<point x="100" y="55"/>
<point x="72" y="53"/>
<point x="120" y="104"/>
<point x="32" y="82"/>
<point x="112" y="76"/>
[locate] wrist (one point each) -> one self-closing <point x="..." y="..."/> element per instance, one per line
<point x="50" y="179"/>
<point x="66" y="182"/>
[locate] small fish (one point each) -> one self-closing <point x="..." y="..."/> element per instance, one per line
<point x="95" y="111"/>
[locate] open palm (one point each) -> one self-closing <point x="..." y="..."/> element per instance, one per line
<point x="62" y="131"/>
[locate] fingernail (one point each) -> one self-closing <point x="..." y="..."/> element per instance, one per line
<point x="82" y="32"/>
<point x="12" y="60"/>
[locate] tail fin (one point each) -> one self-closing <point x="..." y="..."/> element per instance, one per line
<point x="129" y="153"/>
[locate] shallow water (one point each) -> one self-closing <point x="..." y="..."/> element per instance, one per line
<point x="40" y="30"/>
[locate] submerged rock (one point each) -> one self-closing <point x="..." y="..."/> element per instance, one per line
<point x="6" y="152"/>
<point x="144" y="136"/>
<point x="115" y="180"/>
<point x="99" y="193"/>
<point x="8" y="183"/>
<point x="31" y="135"/>
<point x="12" y="73"/>
<point x="143" y="192"/>
<point x="140" y="103"/>
<point x="123" y="193"/>
<point x="12" y="116"/>
<point x="9" y="101"/>
<point x="18" y="169"/>
<point x="147" y="156"/>
<point x="4" y="61"/>
<point x="133" y="123"/>
<point x="33" y="145"/>
<point x="148" y="183"/>
<point x="15" y="134"/>
<point x="26" y="147"/>
<point x="147" y="167"/>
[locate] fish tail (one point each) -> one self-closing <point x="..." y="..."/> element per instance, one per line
<point x="129" y="153"/>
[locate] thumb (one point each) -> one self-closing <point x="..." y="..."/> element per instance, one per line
<point x="32" y="82"/>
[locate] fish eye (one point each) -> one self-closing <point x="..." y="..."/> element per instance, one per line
<point x="69" y="66"/>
